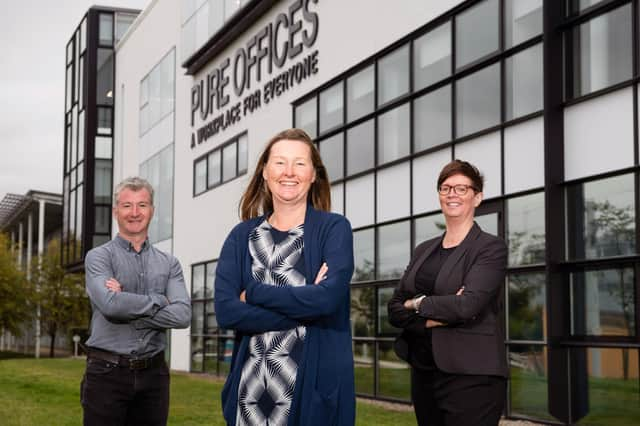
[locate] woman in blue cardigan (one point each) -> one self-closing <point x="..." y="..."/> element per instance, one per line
<point x="282" y="283"/>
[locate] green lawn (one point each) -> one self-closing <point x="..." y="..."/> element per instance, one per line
<point x="46" y="392"/>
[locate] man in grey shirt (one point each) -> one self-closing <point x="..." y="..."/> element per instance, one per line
<point x="137" y="292"/>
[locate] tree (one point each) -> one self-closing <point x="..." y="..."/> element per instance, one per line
<point x="15" y="292"/>
<point x="61" y="295"/>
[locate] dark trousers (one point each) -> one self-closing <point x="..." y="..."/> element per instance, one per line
<point x="113" y="395"/>
<point x="442" y="399"/>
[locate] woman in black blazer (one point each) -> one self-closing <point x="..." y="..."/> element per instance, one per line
<point x="449" y="304"/>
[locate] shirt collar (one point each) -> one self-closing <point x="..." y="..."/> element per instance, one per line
<point x="126" y="244"/>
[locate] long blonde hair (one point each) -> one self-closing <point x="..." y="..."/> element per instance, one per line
<point x="257" y="199"/>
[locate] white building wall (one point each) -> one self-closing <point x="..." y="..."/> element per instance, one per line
<point x="348" y="33"/>
<point x="154" y="33"/>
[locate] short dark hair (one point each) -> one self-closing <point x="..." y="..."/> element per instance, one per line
<point x="459" y="167"/>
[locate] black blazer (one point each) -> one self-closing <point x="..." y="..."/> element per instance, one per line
<point x="473" y="340"/>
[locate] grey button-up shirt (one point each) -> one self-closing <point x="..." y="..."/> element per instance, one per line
<point x="153" y="298"/>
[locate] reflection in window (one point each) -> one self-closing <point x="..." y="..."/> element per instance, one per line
<point x="364" y="255"/>
<point x="331" y="108"/>
<point x="360" y="148"/>
<point x="197" y="348"/>
<point x="523" y="73"/>
<point x="393" y="75"/>
<point x="393" y="249"/>
<point x="432" y="119"/>
<point x="528" y="384"/>
<point x="526" y="295"/>
<point x="360" y="94"/>
<point x="211" y="277"/>
<point x="429" y="227"/>
<point x="305" y="117"/>
<point x="603" y="302"/>
<point x="102" y="187"/>
<point x="363" y="365"/>
<point x="477" y="32"/>
<point x="602" y="48"/>
<point x="611" y="394"/>
<point x="384" y="327"/>
<point x="332" y="153"/>
<point x="478" y="101"/>
<point x="525" y="229"/>
<point x="197" y="283"/>
<point x="362" y="312"/>
<point x="243" y="153"/>
<point x="432" y="56"/>
<point x="601" y="218"/>
<point x="523" y="20"/>
<point x="393" y="134"/>
<point x="104" y="77"/>
<point x="395" y="375"/>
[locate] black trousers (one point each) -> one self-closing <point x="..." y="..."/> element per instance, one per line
<point x="442" y="399"/>
<point x="113" y="395"/>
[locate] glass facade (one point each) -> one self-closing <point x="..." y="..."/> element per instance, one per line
<point x="157" y="135"/>
<point x="88" y="133"/>
<point x="471" y="86"/>
<point x="220" y="165"/>
<point x="202" y="19"/>
<point x="211" y="347"/>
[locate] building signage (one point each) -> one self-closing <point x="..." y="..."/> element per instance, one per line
<point x="275" y="49"/>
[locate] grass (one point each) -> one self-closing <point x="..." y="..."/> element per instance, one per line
<point x="47" y="392"/>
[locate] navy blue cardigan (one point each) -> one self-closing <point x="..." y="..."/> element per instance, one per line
<point x="324" y="392"/>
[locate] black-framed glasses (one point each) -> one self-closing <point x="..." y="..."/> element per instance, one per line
<point x="457" y="189"/>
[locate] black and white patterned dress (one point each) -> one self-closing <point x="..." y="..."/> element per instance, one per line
<point x="269" y="372"/>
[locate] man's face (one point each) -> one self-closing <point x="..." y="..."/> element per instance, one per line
<point x="133" y="212"/>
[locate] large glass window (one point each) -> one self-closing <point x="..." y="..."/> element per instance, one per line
<point x="393" y="75"/>
<point x="393" y="192"/>
<point x="221" y="165"/>
<point x="331" y="108"/>
<point x="364" y="255"/>
<point x="528" y="385"/>
<point x="477" y="32"/>
<point x="432" y="57"/>
<point x="523" y="20"/>
<point x="525" y="229"/>
<point x="332" y="152"/>
<point x="305" y="117"/>
<point x="478" y="101"/>
<point x="602" y="50"/>
<point x="601" y="218"/>
<point x="360" y="94"/>
<point x="603" y="302"/>
<point x="158" y="170"/>
<point x="393" y="134"/>
<point x="102" y="187"/>
<point x="360" y="147"/>
<point x="394" y="249"/>
<point x="157" y="93"/>
<point x="526" y="294"/>
<point x="611" y="385"/>
<point x="432" y="119"/>
<point x="105" y="32"/>
<point x="104" y="78"/>
<point x="523" y="73"/>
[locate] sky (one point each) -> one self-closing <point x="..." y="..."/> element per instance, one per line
<point x="33" y="36"/>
